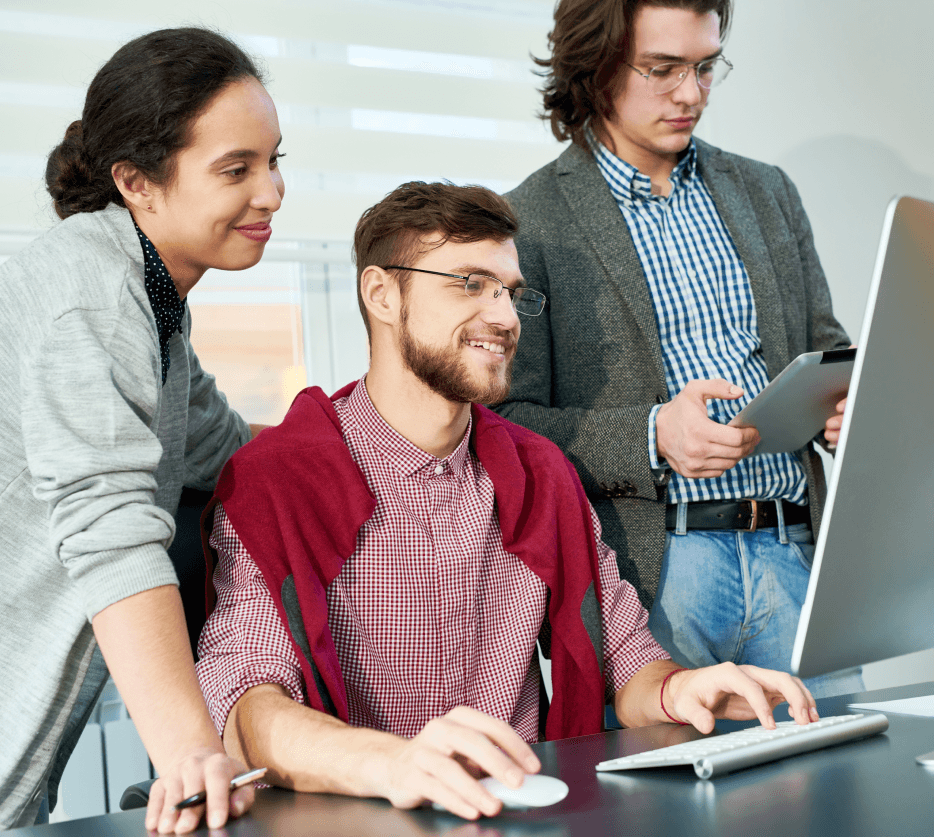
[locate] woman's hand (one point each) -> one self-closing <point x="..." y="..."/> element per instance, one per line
<point x="204" y="769"/>
<point x="145" y="644"/>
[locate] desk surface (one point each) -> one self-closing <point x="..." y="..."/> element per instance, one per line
<point x="867" y="788"/>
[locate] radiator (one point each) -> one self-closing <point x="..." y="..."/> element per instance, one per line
<point x="108" y="758"/>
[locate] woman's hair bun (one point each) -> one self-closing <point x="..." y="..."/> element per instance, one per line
<point x="68" y="176"/>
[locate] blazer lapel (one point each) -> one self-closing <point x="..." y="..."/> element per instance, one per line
<point x="739" y="214"/>
<point x="604" y="228"/>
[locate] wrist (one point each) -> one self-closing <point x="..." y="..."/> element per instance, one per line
<point x="666" y="685"/>
<point x="375" y="763"/>
<point x="198" y="749"/>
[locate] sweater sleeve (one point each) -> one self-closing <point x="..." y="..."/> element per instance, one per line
<point x="86" y="419"/>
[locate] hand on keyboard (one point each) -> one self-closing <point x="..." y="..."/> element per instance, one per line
<point x="740" y="693"/>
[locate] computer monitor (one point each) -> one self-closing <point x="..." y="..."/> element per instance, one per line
<point x="871" y="594"/>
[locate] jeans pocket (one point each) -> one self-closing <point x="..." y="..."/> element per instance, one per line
<point x="801" y="540"/>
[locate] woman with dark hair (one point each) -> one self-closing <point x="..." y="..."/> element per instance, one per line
<point x="172" y="169"/>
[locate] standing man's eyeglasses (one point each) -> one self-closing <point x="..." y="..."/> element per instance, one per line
<point x="488" y="289"/>
<point x="663" y="78"/>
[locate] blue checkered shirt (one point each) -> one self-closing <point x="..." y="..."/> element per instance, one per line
<point x="706" y="316"/>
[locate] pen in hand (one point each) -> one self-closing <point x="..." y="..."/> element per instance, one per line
<point x="237" y="782"/>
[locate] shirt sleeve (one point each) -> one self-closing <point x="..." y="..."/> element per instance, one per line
<point x="628" y="644"/>
<point x="215" y="431"/>
<point x="244" y="643"/>
<point x="654" y="462"/>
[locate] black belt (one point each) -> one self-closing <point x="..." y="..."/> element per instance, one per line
<point x="737" y="514"/>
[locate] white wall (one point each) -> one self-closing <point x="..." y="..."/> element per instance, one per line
<point x="840" y="94"/>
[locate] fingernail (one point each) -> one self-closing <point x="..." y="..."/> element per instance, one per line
<point x="814" y="715"/>
<point x="216" y="820"/>
<point x="532" y="764"/>
<point x="514" y="777"/>
<point x="239" y="807"/>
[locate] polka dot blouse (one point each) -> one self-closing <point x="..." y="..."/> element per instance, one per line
<point x="167" y="306"/>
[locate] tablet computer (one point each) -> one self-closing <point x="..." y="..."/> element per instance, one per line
<point x="794" y="407"/>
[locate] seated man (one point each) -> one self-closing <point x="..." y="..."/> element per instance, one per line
<point x="388" y="557"/>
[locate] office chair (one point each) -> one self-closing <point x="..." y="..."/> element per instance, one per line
<point x="136" y="796"/>
<point x="187" y="556"/>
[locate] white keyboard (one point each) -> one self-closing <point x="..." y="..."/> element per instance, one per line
<point x="719" y="754"/>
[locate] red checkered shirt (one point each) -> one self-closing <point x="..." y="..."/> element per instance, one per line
<point x="430" y="612"/>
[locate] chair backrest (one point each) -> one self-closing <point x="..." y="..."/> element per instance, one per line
<point x="136" y="796"/>
<point x="188" y="558"/>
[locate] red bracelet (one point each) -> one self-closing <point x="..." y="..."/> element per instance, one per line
<point x="661" y="697"/>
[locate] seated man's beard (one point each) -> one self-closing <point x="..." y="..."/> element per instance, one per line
<point x="448" y="375"/>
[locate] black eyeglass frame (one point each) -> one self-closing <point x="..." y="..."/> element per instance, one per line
<point x="526" y="294"/>
<point x="688" y="66"/>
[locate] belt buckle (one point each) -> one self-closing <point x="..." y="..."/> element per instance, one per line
<point x="754" y="518"/>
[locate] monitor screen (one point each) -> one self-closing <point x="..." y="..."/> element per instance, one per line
<point x="871" y="593"/>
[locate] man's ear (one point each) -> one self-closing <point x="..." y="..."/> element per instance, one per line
<point x="136" y="190"/>
<point x="380" y="293"/>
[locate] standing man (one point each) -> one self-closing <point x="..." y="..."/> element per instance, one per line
<point x="680" y="279"/>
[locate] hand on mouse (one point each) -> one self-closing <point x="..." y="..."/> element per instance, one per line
<point x="699" y="696"/>
<point x="437" y="765"/>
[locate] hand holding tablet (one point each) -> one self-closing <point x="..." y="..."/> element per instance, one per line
<point x="794" y="407"/>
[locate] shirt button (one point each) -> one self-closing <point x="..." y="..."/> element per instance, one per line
<point x="439" y="468"/>
<point x="759" y="471"/>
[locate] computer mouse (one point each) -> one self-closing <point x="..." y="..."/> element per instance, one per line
<point x="536" y="791"/>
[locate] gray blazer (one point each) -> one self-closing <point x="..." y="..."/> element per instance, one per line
<point x="589" y="369"/>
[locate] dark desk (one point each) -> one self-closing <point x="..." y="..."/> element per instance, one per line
<point x="870" y="788"/>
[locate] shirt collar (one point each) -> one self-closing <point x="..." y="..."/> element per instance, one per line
<point x="627" y="184"/>
<point x="398" y="451"/>
<point x="167" y="306"/>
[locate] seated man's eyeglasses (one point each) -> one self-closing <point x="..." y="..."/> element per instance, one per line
<point x="487" y="290"/>
<point x="663" y="78"/>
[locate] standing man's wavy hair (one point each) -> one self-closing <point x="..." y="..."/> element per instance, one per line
<point x="589" y="43"/>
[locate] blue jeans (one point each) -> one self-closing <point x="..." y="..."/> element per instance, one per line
<point x="728" y="595"/>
